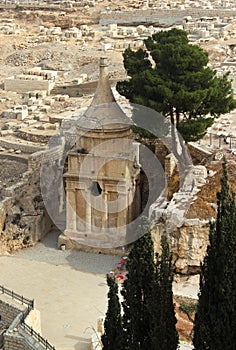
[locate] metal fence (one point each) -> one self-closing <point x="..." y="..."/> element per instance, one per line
<point x="30" y="305"/>
<point x="37" y="336"/>
<point x="18" y="297"/>
<point x="219" y="141"/>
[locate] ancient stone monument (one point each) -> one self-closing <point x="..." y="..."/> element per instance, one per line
<point x="102" y="181"/>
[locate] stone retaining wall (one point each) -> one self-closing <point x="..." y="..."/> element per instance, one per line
<point x="8" y="312"/>
<point x="33" y="137"/>
<point x="14" y="337"/>
<point x="14" y="341"/>
<point x="77" y="90"/>
<point x="197" y="152"/>
<point x="24" y="147"/>
<point x="21" y="86"/>
<point x="23" y="200"/>
<point x="52" y="156"/>
<point x="35" y="160"/>
<point x="161" y="16"/>
<point x="14" y="190"/>
<point x="14" y="157"/>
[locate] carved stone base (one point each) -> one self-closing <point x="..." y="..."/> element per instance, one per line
<point x="88" y="245"/>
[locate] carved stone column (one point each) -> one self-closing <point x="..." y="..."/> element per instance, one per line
<point x="71" y="210"/>
<point x="88" y="213"/>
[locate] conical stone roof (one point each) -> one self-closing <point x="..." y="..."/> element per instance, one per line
<point x="104" y="113"/>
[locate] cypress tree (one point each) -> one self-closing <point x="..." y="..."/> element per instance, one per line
<point x="112" y="337"/>
<point x="164" y="335"/>
<point x="215" y="320"/>
<point x="137" y="291"/>
<point x="149" y="317"/>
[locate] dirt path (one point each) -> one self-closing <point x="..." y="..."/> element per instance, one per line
<point x="69" y="300"/>
<point x="69" y="289"/>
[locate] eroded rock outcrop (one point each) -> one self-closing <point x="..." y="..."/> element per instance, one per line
<point x="185" y="218"/>
<point x="23" y="220"/>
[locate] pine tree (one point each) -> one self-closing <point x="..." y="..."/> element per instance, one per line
<point x="164" y="335"/>
<point x="113" y="332"/>
<point x="172" y="76"/>
<point x="215" y="320"/>
<point x="137" y="291"/>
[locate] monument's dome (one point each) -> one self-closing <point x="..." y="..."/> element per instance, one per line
<point x="104" y="113"/>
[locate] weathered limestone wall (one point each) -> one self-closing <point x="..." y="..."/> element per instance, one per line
<point x="16" y="342"/>
<point x="78" y="89"/>
<point x="161" y="16"/>
<point x="75" y="90"/>
<point x="33" y="137"/>
<point x="21" y="86"/>
<point x="198" y="153"/>
<point x="188" y="237"/>
<point x="8" y="312"/>
<point x="23" y="218"/>
<point x="52" y="155"/>
<point x="14" y="157"/>
<point x="188" y="244"/>
<point x="14" y="190"/>
<point x="35" y="160"/>
<point x="24" y="147"/>
<point x="19" y="331"/>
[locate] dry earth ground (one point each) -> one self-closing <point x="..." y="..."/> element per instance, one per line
<point x="69" y="288"/>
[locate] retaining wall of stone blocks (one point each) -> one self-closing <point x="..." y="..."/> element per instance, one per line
<point x="198" y="153"/>
<point x="162" y="16"/>
<point x="24" y="147"/>
<point x="22" y="86"/>
<point x="8" y="312"/>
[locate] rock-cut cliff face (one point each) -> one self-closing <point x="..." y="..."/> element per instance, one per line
<point x="185" y="218"/>
<point x="23" y="219"/>
<point x="188" y="244"/>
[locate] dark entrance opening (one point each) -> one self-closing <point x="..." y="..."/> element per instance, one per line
<point x="96" y="189"/>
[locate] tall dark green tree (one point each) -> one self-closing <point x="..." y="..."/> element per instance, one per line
<point x="113" y="332"/>
<point x="215" y="321"/>
<point x="164" y="335"/>
<point x="172" y="77"/>
<point x="149" y="319"/>
<point x="137" y="290"/>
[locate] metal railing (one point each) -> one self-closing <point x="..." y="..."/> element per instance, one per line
<point x="18" y="297"/>
<point x="217" y="140"/>
<point x="29" y="330"/>
<point x="30" y="305"/>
